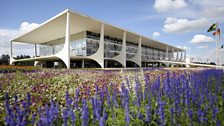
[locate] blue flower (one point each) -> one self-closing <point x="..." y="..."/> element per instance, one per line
<point x="127" y="116"/>
<point x="65" y="117"/>
<point x="72" y="118"/>
<point x="102" y="122"/>
<point x="85" y="113"/>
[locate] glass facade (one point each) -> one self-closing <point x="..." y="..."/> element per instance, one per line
<point x="92" y="46"/>
<point x="87" y="43"/>
<point x="46" y="50"/>
<point x="92" y="35"/>
<point x="131" y="49"/>
<point x="78" y="47"/>
<point x="112" y="46"/>
<point x="170" y="55"/>
<point x="111" y="49"/>
<point x="149" y="53"/>
<point x="78" y="44"/>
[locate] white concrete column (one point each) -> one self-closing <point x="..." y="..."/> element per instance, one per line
<point x="53" y="52"/>
<point x="99" y="55"/>
<point x="173" y="54"/>
<point x="11" y="54"/>
<point x="185" y="54"/>
<point x="36" y="62"/>
<point x="102" y="44"/>
<point x="140" y="51"/>
<point x="64" y="54"/>
<point x="137" y="58"/>
<point x="35" y="50"/>
<point x="83" y="63"/>
<point x="67" y="39"/>
<point x="167" y="55"/>
<point x="177" y="55"/>
<point x="121" y="58"/>
<point x="35" y="53"/>
<point x="124" y="49"/>
<point x="11" y="48"/>
<point x="181" y="55"/>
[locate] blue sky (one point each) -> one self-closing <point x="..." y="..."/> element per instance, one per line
<point x="180" y="23"/>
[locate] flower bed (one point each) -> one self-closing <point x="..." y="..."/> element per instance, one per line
<point x="9" y="68"/>
<point x="79" y="97"/>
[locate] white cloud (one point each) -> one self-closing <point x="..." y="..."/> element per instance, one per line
<point x="184" y="47"/>
<point x="8" y="32"/>
<point x="213" y="11"/>
<point x="174" y="25"/>
<point x="26" y="27"/>
<point x="6" y="35"/>
<point x="209" y="8"/>
<point x="202" y="47"/>
<point x="199" y="38"/>
<point x="167" y="5"/>
<point x="156" y="34"/>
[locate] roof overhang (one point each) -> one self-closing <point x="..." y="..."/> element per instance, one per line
<point x="54" y="28"/>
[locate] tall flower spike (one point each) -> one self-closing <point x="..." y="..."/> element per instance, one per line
<point x="108" y="97"/>
<point x="68" y="100"/>
<point x="65" y="117"/>
<point x="76" y="98"/>
<point x="127" y="116"/>
<point x="102" y="122"/>
<point x="72" y="118"/>
<point x="85" y="113"/>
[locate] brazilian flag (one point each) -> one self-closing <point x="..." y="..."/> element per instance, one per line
<point x="212" y="28"/>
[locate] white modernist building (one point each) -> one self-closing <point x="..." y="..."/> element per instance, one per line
<point x="75" y="40"/>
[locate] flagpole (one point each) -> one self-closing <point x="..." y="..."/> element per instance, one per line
<point x="217" y="64"/>
<point x="215" y="28"/>
<point x="220" y="46"/>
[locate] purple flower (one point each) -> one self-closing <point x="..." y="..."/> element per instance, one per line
<point x="114" y="101"/>
<point x="126" y="106"/>
<point x="148" y="114"/>
<point x="97" y="107"/>
<point x="72" y="118"/>
<point x="223" y="96"/>
<point x="28" y="100"/>
<point x="102" y="121"/>
<point x="214" y="113"/>
<point x="68" y="100"/>
<point x="137" y="92"/>
<point x="127" y="116"/>
<point x="9" y="117"/>
<point x="76" y="98"/>
<point x="200" y="114"/>
<point x="33" y="119"/>
<point x="105" y="115"/>
<point x="122" y="97"/>
<point x="147" y="86"/>
<point x="127" y="82"/>
<point x="190" y="113"/>
<point x="161" y="112"/>
<point x="65" y="117"/>
<point x="139" y="115"/>
<point x="85" y="113"/>
<point x="53" y="112"/>
<point x="93" y="108"/>
<point x="108" y="96"/>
